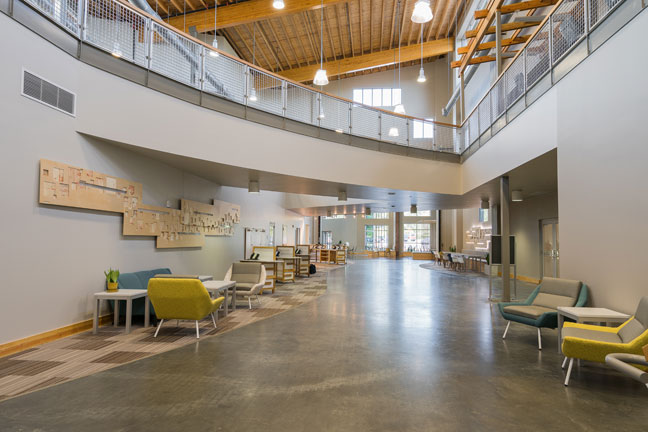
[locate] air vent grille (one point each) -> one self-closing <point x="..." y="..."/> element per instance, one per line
<point x="35" y="87"/>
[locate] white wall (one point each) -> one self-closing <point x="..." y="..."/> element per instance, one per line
<point x="602" y="155"/>
<point x="352" y="229"/>
<point x="423" y="100"/>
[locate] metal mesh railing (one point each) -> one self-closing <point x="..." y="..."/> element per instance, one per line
<point x="118" y="30"/>
<point x="365" y="122"/>
<point x="175" y="56"/>
<point x="567" y="27"/>
<point x="394" y="129"/>
<point x="537" y="56"/>
<point x="123" y="32"/>
<point x="335" y="114"/>
<point x="266" y="92"/>
<point x="515" y="81"/>
<point x="301" y="104"/>
<point x="228" y="77"/>
<point x="485" y="114"/>
<point x="599" y="9"/>
<point x="65" y="12"/>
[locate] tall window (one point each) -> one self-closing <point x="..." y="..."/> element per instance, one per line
<point x="381" y="97"/>
<point x="378" y="216"/>
<point x="416" y="237"/>
<point x="327" y="238"/>
<point x="422" y="129"/>
<point x="420" y="213"/>
<point x="483" y="215"/>
<point x="376" y="237"/>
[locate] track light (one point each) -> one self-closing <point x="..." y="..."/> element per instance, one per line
<point x="413" y="209"/>
<point x="516" y="196"/>
<point x="342" y="196"/>
<point x="253" y="187"/>
<point x="278" y="4"/>
<point x="421" y="78"/>
<point x="422" y="12"/>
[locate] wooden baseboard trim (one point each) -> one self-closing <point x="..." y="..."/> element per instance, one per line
<point x="49" y="336"/>
<point x="523" y="278"/>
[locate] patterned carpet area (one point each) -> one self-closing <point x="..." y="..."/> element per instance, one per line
<point x="85" y="353"/>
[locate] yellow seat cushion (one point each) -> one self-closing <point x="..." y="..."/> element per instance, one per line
<point x="185" y="299"/>
<point x="578" y="342"/>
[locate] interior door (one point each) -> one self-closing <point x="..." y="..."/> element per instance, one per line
<point x="550" y="248"/>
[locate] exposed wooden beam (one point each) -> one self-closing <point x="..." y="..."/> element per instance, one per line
<point x="491" y="44"/>
<point x="525" y="5"/>
<point x="339" y="29"/>
<point x="284" y="27"/>
<point x="281" y="49"/>
<point x="360" y="21"/>
<point x="300" y="39"/>
<point x="482" y="59"/>
<point x="505" y="27"/>
<point x="482" y="27"/>
<point x="330" y="35"/>
<point x="375" y="59"/>
<point x="348" y="15"/>
<point x="382" y="24"/>
<point x="246" y="13"/>
<point x="271" y="48"/>
<point x="393" y="25"/>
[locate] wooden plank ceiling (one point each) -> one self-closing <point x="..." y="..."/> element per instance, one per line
<point x="359" y="35"/>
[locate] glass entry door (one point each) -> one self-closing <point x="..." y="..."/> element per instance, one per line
<point x="550" y="248"/>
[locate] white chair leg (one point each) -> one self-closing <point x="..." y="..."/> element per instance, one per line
<point x="569" y="369"/>
<point x="539" y="339"/>
<point x="564" y="363"/>
<point x="250" y="302"/>
<point x="214" y="319"/>
<point x="506" y="331"/>
<point x="158" y="328"/>
<point x="257" y="299"/>
<point x="197" y="331"/>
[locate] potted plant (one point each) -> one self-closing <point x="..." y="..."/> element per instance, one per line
<point x="112" y="276"/>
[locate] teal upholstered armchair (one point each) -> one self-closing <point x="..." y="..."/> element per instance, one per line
<point x="540" y="309"/>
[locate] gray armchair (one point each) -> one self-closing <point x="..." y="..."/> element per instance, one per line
<point x="541" y="308"/>
<point x="250" y="279"/>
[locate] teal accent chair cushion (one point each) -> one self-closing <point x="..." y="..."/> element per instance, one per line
<point x="138" y="280"/>
<point x="548" y="319"/>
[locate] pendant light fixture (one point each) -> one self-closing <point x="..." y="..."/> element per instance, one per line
<point x="215" y="41"/>
<point x="278" y="4"/>
<point x="400" y="108"/>
<point x="421" y="78"/>
<point x="253" y="96"/>
<point x="422" y="12"/>
<point x="320" y="76"/>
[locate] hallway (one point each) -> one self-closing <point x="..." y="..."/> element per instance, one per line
<point x="390" y="346"/>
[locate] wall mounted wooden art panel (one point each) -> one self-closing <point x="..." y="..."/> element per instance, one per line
<point x="68" y="186"/>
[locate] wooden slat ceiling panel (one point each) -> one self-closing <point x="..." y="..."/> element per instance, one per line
<point x="288" y="41"/>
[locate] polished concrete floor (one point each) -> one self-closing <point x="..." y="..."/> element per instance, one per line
<point x="390" y="347"/>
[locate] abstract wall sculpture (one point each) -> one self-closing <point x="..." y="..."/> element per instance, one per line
<point x="69" y="186"/>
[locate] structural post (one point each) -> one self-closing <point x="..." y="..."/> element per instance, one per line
<point x="505" y="231"/>
<point x="398" y="234"/>
<point x="498" y="41"/>
<point x="437" y="234"/>
<point x="462" y="113"/>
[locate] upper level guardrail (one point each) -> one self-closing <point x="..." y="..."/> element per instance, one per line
<point x="137" y="37"/>
<point x="563" y="37"/>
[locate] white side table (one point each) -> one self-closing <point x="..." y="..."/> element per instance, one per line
<point x="122" y="294"/>
<point x="587" y="314"/>
<point x="217" y="286"/>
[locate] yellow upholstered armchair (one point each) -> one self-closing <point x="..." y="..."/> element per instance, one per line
<point x="593" y="343"/>
<point x="181" y="299"/>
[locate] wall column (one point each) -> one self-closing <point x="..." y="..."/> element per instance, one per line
<point x="505" y="230"/>
<point x="398" y="233"/>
